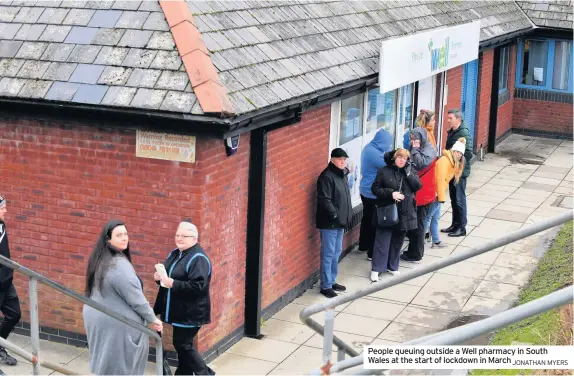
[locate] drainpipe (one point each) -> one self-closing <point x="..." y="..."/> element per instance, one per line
<point x="255" y="228"/>
<point x="494" y="102"/>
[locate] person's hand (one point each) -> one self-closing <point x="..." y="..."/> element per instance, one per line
<point x="156" y="326"/>
<point x="416" y="143"/>
<point x="156" y="276"/>
<point x="167" y="282"/>
<point x="398" y="196"/>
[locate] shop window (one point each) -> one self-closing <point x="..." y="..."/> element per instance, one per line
<point x="356" y="120"/>
<point x="504" y="68"/>
<point x="545" y="64"/>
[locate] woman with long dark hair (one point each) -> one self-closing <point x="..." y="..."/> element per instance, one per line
<point x="115" y="348"/>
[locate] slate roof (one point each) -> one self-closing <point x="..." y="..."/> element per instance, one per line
<point x="111" y="53"/>
<point x="121" y="53"/>
<point x="549" y="13"/>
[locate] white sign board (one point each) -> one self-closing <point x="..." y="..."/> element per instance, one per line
<point x="414" y="57"/>
<point x="170" y="147"/>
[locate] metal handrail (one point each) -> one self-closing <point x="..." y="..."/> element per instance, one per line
<point x="330" y="304"/>
<point x="35" y="323"/>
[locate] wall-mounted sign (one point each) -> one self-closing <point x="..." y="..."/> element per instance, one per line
<point x="408" y="59"/>
<point x="170" y="147"/>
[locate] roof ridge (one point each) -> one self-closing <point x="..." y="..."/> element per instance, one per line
<point x="210" y="92"/>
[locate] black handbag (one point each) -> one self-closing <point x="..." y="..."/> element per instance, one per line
<point x="387" y="216"/>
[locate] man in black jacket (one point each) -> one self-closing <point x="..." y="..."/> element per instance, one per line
<point x="183" y="300"/>
<point x="9" y="302"/>
<point x="334" y="213"/>
<point x="458" y="129"/>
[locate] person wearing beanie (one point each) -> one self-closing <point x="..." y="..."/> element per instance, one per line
<point x="334" y="214"/>
<point x="457" y="130"/>
<point x="9" y="302"/>
<point x="372" y="160"/>
<point x="448" y="167"/>
<point x="423" y="156"/>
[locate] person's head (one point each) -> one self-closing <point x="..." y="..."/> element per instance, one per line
<point x="113" y="241"/>
<point x="2" y="208"/>
<point x="339" y="158"/>
<point x="186" y="236"/>
<point x="458" y="155"/>
<point x="400" y="157"/>
<point x="426" y="119"/>
<point x="454" y="118"/>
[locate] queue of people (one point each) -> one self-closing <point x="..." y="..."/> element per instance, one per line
<point x="402" y="192"/>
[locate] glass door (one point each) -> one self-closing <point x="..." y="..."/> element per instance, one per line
<point x="405" y="113"/>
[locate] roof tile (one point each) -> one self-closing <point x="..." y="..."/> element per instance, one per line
<point x="91" y="94"/>
<point x="7" y="14"/>
<point x="130" y="5"/>
<point x="30" y="32"/>
<point x="111" y="55"/>
<point x="55" y="33"/>
<point x="53" y="16"/>
<point x="84" y="54"/>
<point x="119" y="96"/>
<point x="10" y="67"/>
<point x="139" y="58"/>
<point x="132" y="19"/>
<point x="136" y="38"/>
<point x="28" y="15"/>
<point x="31" y="50"/>
<point x="59" y="71"/>
<point x="81" y="35"/>
<point x="240" y="103"/>
<point x="9" y="48"/>
<point x="9" y="30"/>
<point x="148" y="98"/>
<point x="87" y="73"/>
<point x="115" y="76"/>
<point x="169" y="60"/>
<point x="172" y="81"/>
<point x="161" y="40"/>
<point x="35" y="89"/>
<point x="156" y="21"/>
<point x="144" y="78"/>
<point x="79" y="17"/>
<point x="62" y="91"/>
<point x="11" y="86"/>
<point x="178" y="102"/>
<point x="105" y="18"/>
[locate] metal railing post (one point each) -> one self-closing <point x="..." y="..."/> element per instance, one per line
<point x="34" y="325"/>
<point x="328" y="338"/>
<point x="158" y="356"/>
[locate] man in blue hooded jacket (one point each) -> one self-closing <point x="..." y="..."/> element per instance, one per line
<point x="372" y="159"/>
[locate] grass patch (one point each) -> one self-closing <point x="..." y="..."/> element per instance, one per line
<point x="554" y="327"/>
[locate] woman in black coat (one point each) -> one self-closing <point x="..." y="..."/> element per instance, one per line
<point x="396" y="182"/>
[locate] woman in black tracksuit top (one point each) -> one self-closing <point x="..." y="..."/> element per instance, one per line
<point x="184" y="302"/>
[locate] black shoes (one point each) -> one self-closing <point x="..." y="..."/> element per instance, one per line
<point x="408" y="259"/>
<point x="458" y="232"/>
<point x="338" y="287"/>
<point x="449" y="229"/>
<point x="329" y="293"/>
<point x="7" y="359"/>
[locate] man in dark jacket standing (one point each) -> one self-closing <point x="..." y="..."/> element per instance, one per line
<point x="334" y="213"/>
<point x="183" y="300"/>
<point x="9" y="302"/>
<point x="457" y="191"/>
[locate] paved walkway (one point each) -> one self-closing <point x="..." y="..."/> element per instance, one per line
<point x="528" y="180"/>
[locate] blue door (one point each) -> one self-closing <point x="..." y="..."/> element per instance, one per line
<point x="469" y="91"/>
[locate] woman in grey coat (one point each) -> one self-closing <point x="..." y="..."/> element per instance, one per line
<point x="116" y="348"/>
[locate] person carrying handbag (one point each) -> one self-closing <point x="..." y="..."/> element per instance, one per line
<point x="394" y="185"/>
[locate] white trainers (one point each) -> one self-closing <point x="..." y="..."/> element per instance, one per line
<point x="375" y="276"/>
<point x="393" y="272"/>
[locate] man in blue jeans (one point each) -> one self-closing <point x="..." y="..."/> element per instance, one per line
<point x="334" y="213"/>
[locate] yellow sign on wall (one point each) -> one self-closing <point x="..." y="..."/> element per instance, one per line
<point x="166" y="146"/>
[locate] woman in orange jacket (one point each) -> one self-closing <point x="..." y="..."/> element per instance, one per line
<point x="449" y="166"/>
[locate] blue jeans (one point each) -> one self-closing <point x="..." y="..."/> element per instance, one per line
<point x="331" y="247"/>
<point x="458" y="202"/>
<point x="432" y="220"/>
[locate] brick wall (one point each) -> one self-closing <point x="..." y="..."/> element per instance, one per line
<point x="454" y="96"/>
<point x="64" y="181"/>
<point x="485" y="67"/>
<point x="505" y="110"/>
<point x="296" y="156"/>
<point x="542" y="116"/>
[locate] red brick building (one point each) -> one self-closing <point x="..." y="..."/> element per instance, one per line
<point x="85" y="86"/>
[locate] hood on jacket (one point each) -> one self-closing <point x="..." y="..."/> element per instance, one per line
<point x="450" y="157"/>
<point x="421" y="135"/>
<point x="383" y="140"/>
<point x="389" y="158"/>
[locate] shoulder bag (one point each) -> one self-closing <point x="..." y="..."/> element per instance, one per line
<point x="387" y="216"/>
